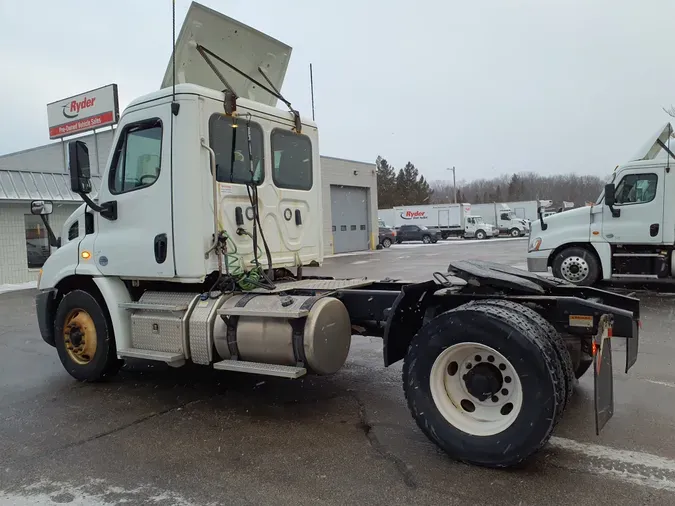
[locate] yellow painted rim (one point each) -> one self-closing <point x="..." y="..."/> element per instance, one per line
<point x="79" y="336"/>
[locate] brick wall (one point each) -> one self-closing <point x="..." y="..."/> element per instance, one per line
<point x="13" y="258"/>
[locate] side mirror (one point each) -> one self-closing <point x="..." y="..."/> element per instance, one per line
<point x="41" y="207"/>
<point x="610" y="190"/>
<point x="78" y="166"/>
<point x="540" y="212"/>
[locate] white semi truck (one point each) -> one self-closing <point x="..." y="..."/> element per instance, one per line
<point x="193" y="252"/>
<point x="627" y="235"/>
<point x="448" y="219"/>
<point x="502" y="217"/>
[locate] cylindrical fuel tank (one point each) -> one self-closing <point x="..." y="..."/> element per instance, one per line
<point x="285" y="330"/>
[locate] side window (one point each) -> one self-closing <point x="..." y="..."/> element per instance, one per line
<point x="137" y="160"/>
<point x="74" y="231"/>
<point x="505" y="216"/>
<point x="234" y="167"/>
<point x="37" y="241"/>
<point x="636" y="189"/>
<point x="291" y="160"/>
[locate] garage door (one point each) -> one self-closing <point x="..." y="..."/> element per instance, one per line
<point x="349" y="209"/>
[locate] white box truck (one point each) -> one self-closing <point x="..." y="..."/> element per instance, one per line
<point x="501" y="216"/>
<point x="628" y="234"/>
<point x="447" y="219"/>
<point x="198" y="258"/>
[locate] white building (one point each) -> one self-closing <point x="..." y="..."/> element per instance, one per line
<point x="349" y="189"/>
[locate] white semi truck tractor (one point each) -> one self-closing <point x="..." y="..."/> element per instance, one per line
<point x="193" y="252"/>
<point x="627" y="235"/>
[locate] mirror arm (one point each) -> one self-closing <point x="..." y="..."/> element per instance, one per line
<point x="53" y="241"/>
<point x="108" y="209"/>
<point x="616" y="213"/>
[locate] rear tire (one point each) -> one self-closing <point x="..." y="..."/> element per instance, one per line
<point x="577" y="265"/>
<point x="549" y="332"/>
<point x="84" y="338"/>
<point x="480" y="235"/>
<point x="504" y="440"/>
<point x="386" y="242"/>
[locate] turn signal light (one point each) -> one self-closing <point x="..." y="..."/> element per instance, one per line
<point x="86" y="255"/>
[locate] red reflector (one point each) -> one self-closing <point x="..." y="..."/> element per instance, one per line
<point x="609" y="332"/>
<point x="640" y="324"/>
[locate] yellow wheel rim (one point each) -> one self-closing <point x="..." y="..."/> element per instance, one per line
<point x="79" y="336"/>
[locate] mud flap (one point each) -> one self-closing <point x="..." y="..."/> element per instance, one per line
<point x="603" y="378"/>
<point x="632" y="347"/>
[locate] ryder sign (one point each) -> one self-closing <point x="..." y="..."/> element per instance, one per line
<point x="93" y="109"/>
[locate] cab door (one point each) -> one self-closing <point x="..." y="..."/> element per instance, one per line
<point x="639" y="205"/>
<point x="139" y="242"/>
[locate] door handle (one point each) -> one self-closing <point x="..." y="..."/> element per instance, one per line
<point x="161" y="243"/>
<point x="654" y="229"/>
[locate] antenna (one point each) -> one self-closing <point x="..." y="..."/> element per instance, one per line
<point x="311" y="87"/>
<point x="174" y="105"/>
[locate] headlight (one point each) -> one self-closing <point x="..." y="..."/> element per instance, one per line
<point x="535" y="244"/>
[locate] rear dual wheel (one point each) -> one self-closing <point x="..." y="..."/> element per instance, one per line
<point x="485" y="383"/>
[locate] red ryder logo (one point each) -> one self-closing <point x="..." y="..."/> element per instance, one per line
<point x="72" y="109"/>
<point x="413" y="215"/>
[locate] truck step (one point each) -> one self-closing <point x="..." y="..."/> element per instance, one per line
<point x="153" y="307"/>
<point x="282" y="371"/>
<point x="634" y="276"/>
<point x="159" y="356"/>
<point x="636" y="255"/>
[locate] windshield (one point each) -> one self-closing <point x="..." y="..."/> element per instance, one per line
<point x="479" y="219"/>
<point x="422" y="227"/>
<point x="610" y="179"/>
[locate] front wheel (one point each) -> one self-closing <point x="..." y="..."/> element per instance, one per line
<point x="577" y="265"/>
<point x="480" y="235"/>
<point x="84" y="338"/>
<point x="386" y="242"/>
<point x="484" y="384"/>
<point x="515" y="232"/>
<point x="426" y="239"/>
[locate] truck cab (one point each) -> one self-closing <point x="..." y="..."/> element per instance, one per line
<point x="627" y="234"/>
<point x="476" y="227"/>
<point x="509" y="223"/>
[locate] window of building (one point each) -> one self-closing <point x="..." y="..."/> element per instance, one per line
<point x="37" y="241"/>
<point x="292" y="160"/>
<point x="224" y="135"/>
<point x="636" y="189"/>
<point x="137" y="160"/>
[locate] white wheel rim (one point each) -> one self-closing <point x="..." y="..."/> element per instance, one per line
<point x="574" y="269"/>
<point x="454" y="395"/>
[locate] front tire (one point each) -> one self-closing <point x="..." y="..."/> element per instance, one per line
<point x="577" y="265"/>
<point x="386" y="242"/>
<point x="481" y="417"/>
<point x="84" y="338"/>
<point x="515" y="232"/>
<point x="426" y="239"/>
<point x="480" y="235"/>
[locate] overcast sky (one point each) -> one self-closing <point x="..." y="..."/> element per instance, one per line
<point x="492" y="87"/>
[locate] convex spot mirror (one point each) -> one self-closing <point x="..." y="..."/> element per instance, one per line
<point x="40" y="207"/>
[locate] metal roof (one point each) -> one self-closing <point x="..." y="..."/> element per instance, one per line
<point x="22" y="186"/>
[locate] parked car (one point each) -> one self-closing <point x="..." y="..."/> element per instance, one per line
<point x="387" y="236"/>
<point x="416" y="233"/>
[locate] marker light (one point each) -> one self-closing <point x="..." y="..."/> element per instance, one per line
<point x="86" y="255"/>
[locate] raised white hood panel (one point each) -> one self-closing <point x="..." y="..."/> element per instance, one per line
<point x="238" y="44"/>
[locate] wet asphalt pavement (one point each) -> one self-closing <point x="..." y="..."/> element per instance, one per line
<point x="155" y="435"/>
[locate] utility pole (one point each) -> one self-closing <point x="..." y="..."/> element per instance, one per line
<point x="454" y="186"/>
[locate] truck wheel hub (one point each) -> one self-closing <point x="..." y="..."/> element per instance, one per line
<point x="476" y="389"/>
<point x="574" y="269"/>
<point x="79" y="336"/>
<point x="483" y="381"/>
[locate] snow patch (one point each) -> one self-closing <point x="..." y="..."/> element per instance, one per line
<point x="19" y="286"/>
